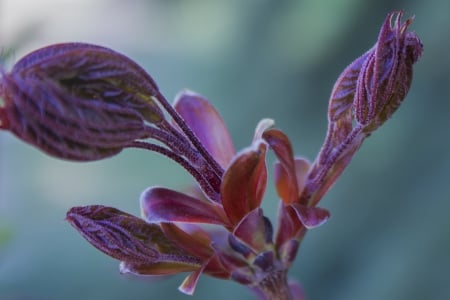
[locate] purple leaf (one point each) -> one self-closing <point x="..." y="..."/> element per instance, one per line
<point x="189" y="284"/>
<point x="311" y="217"/>
<point x="164" y="205"/>
<point x="159" y="268"/>
<point x="386" y="75"/>
<point x="142" y="247"/>
<point x="207" y="124"/>
<point x="78" y="101"/>
<point x="342" y="95"/>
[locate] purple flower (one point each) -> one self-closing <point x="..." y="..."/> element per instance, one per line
<point x="84" y="102"/>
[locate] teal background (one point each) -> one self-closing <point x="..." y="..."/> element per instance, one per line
<point x="389" y="234"/>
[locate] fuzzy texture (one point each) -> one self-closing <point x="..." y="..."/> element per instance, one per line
<point x="84" y="102"/>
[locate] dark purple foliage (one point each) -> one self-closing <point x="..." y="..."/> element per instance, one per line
<point x="84" y="102"/>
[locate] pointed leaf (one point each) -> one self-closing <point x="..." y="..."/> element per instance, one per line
<point x="287" y="180"/>
<point x="190" y="283"/>
<point x="311" y="217"/>
<point x="164" y="205"/>
<point x="244" y="182"/>
<point x="282" y="180"/>
<point x="142" y="247"/>
<point x="158" y="268"/>
<point x="207" y="124"/>
<point x="302" y="167"/>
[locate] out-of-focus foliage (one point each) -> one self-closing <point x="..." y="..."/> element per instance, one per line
<point x="389" y="232"/>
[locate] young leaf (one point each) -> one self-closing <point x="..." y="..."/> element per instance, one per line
<point x="165" y="205"/>
<point x="244" y="182"/>
<point x="141" y="246"/>
<point x="207" y="124"/>
<point x="78" y="101"/>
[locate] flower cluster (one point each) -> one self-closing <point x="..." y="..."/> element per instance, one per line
<point x="84" y="102"/>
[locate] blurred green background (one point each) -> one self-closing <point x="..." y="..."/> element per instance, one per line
<point x="389" y="235"/>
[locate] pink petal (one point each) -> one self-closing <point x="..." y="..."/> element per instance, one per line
<point x="244" y="182"/>
<point x="207" y="124"/>
<point x="164" y="205"/>
<point x="254" y="230"/>
<point x="311" y="217"/>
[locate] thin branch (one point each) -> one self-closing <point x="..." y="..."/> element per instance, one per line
<point x="204" y="183"/>
<point x="191" y="135"/>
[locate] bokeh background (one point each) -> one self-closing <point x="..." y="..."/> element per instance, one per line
<point x="389" y="235"/>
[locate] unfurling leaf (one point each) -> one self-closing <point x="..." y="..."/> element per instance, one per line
<point x="165" y="205"/>
<point x="386" y="75"/>
<point x="244" y="182"/>
<point x="207" y="124"/>
<point x="365" y="95"/>
<point x="142" y="247"/>
<point x="78" y="101"/>
<point x="287" y="187"/>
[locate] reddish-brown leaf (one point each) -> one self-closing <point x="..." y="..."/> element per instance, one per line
<point x="165" y="205"/>
<point x="244" y="182"/>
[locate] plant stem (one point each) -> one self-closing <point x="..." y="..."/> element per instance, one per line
<point x="190" y="134"/>
<point x="274" y="287"/>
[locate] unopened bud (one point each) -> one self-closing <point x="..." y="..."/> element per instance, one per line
<point x="78" y="101"/>
<point x="386" y="74"/>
